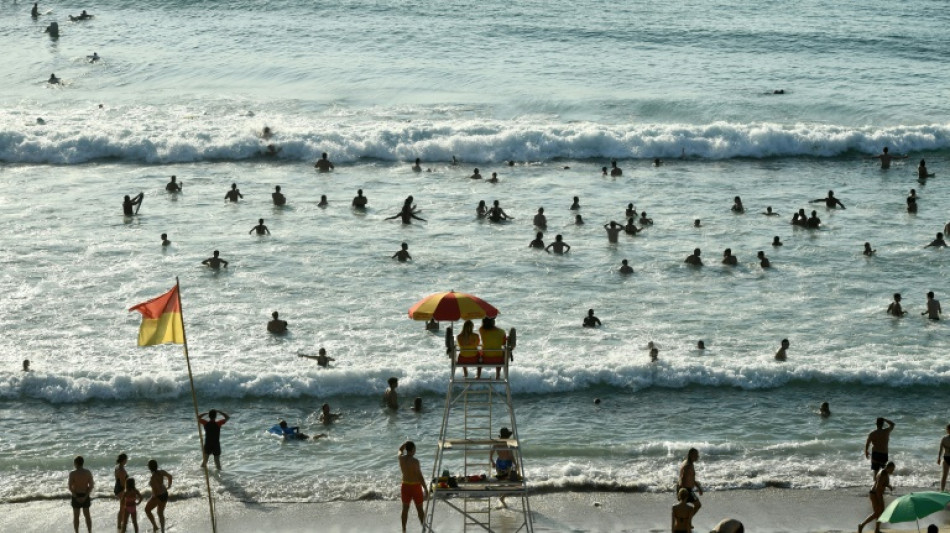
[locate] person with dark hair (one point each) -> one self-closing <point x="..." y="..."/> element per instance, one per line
<point x="234" y="194"/>
<point x="933" y="307"/>
<point x="875" y="447"/>
<point x="777" y="242"/>
<point x="417" y="167"/>
<point x="80" y="485"/>
<point x="129" y="500"/>
<point x="943" y="452"/>
<point x="576" y="204"/>
<point x="782" y="353"/>
<point x="895" y="308"/>
<point x="326" y="417"/>
<point x="414" y="488"/>
<point x="882" y="481"/>
<point x="824" y="410"/>
<point x="407" y="212"/>
<point x="868" y="251"/>
<point x="120" y="478"/>
<point x="323" y="164"/>
<point x="538" y="242"/>
<point x="694" y="259"/>
<point x="497" y="214"/>
<point x="939" y="242"/>
<point x="476" y="175"/>
<point x="215" y="261"/>
<point x="390" y="398"/>
<point x="212" y="429"/>
<point x="886" y="158"/>
<point x="560" y="247"/>
<point x="278" y="197"/>
<point x="173" y="186"/>
<point x="165" y="241"/>
<point x="763" y="261"/>
<point x="359" y="201"/>
<point x="276" y="325"/>
<point x="613" y="231"/>
<point x="614" y="169"/>
<point x="591" y="321"/>
<point x="729" y="259"/>
<point x="830" y="201"/>
<point x="922" y="171"/>
<point x="541" y="221"/>
<point x="737" y="205"/>
<point x="687" y="479"/>
<point x="159" y="494"/>
<point x="402" y="255"/>
<point x="625" y="268"/>
<point x="260" y="228"/>
<point x="321" y="357"/>
<point x="128" y="203"/>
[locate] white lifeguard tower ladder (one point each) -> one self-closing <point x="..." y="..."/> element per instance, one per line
<point x="475" y="412"/>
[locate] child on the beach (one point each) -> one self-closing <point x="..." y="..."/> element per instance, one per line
<point x="130" y="499"/>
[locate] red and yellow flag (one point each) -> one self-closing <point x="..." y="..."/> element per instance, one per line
<point x="161" y="320"/>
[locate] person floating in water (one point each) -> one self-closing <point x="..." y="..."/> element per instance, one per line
<point x="402" y="255"/>
<point x="53" y="80"/>
<point x="729" y="259"/>
<point x="895" y="309"/>
<point x="694" y="259"/>
<point x="782" y="353"/>
<point x="475" y="175"/>
<point x="591" y="321"/>
<point x="933" y="307"/>
<point x="173" y="186"/>
<point x="538" y="242"/>
<point x="165" y="241"/>
<point x="763" y="261"/>
<point x="886" y="158"/>
<point x="278" y="197"/>
<point x="321" y="357"/>
<point x="93" y="58"/>
<point x="614" y="169"/>
<point x="830" y="201"/>
<point x="625" y="268"/>
<point x="234" y="194"/>
<point x="359" y="201"/>
<point x="275" y="325"/>
<point x="540" y="221"/>
<point x="938" y="242"/>
<point x="81" y="16"/>
<point x="215" y="262"/>
<point x="769" y="213"/>
<point x="407" y="213"/>
<point x="559" y="246"/>
<point x="497" y="214"/>
<point x="737" y="206"/>
<point x="323" y="164"/>
<point x="922" y="171"/>
<point x="867" y="249"/>
<point x="128" y="203"/>
<point x="260" y="228"/>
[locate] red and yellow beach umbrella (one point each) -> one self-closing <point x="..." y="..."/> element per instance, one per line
<point x="451" y="306"/>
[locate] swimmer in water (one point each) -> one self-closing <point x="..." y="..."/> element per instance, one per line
<point x="700" y="345"/>
<point x="886" y="158"/>
<point x="278" y="197"/>
<point x="933" y="307"/>
<point x="654" y="354"/>
<point x="276" y="325"/>
<point x="540" y="221"/>
<point x="402" y="255"/>
<point x="769" y="213"/>
<point x="645" y="220"/>
<point x="234" y="194"/>
<point x="493" y="178"/>
<point x="763" y="261"/>
<point x="657" y="162"/>
<point x="813" y="221"/>
<point x="613" y="231"/>
<point x="603" y="171"/>
<point x="578" y="220"/>
<point x="694" y="259"/>
<point x="776" y="241"/>
<point x="625" y="268"/>
<point x="215" y="262"/>
<point x="895" y="309"/>
<point x="824" y="410"/>
<point x="407" y="213"/>
<point x="614" y="169"/>
<point x="323" y="164"/>
<point x="476" y="175"/>
<point x="830" y="201"/>
<point x="266" y="133"/>
<point x="576" y="204"/>
<point x="922" y="171"/>
<point x="481" y="210"/>
<point x="260" y="228"/>
<point x="631" y="211"/>
<point x="323" y="201"/>
<point x="631" y="228"/>
<point x="129" y="203"/>
<point x="53" y="80"/>
<point x="35" y="12"/>
<point x="912" y="202"/>
<point x="737" y="205"/>
<point x="173" y="186"/>
<point x="697" y="223"/>
<point x="81" y="16"/>
<point x="52" y="30"/>
<point x="359" y="201"/>
<point x="591" y="321"/>
<point x="728" y="258"/>
<point x="165" y="241"/>
<point x="497" y="214"/>
<point x="782" y="353"/>
<point x="938" y="242"/>
<point x="93" y="58"/>
<point x="538" y="242"/>
<point x="321" y="357"/>
<point x="418" y="166"/>
<point x="559" y="246"/>
<point x="867" y="249"/>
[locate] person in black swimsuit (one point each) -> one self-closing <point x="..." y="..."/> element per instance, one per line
<point x="159" y="494"/>
<point x="212" y="435"/>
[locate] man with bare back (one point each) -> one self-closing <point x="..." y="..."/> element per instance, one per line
<point x="159" y="494"/>
<point x="414" y="488"/>
<point x="877" y="442"/>
<point x="80" y="492"/>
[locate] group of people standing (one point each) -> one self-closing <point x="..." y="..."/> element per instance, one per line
<point x="81" y="484"/>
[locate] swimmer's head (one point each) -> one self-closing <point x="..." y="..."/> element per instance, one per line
<point x="164" y="236"/>
<point x="322" y="351"/>
<point x="260" y="221"/>
<point x="121" y="459"/>
<point x="410" y="447"/>
<point x="697" y="251"/>
<point x="885" y="150"/>
<point x="785" y="343"/>
<point x="234" y="185"/>
<point x="697" y="223"/>
<point x="897" y="296"/>
<point x="558" y="238"/>
<point x="539" y="235"/>
<point x="212" y="414"/>
<point x="274" y="315"/>
<point x="590" y="312"/>
<point x="701" y="345"/>
<point x="217" y="253"/>
<point x="930" y="295"/>
<point x="324" y="155"/>
<point x="78" y="461"/>
<point x="393" y="382"/>
<point x="405" y="246"/>
<point x="359" y="192"/>
<point x="624" y="262"/>
<point x="277" y="188"/>
<point x="682" y="494"/>
<point x="540" y="210"/>
<point x="727" y="252"/>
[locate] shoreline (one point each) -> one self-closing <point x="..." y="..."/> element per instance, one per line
<point x="764" y="510"/>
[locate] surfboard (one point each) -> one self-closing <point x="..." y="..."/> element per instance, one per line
<point x="141" y="199"/>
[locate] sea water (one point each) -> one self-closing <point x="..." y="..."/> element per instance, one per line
<point x="561" y="89"/>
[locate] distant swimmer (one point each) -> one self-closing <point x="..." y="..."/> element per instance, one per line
<point x="234" y="194"/>
<point x="53" y="80"/>
<point x="613" y="231"/>
<point x="559" y="246"/>
<point x="417" y="167"/>
<point x="603" y="171"/>
<point x="432" y="325"/>
<point x="266" y="133"/>
<point x="35" y="12"/>
<point x="321" y="357"/>
<point x="476" y="175"/>
<point x="782" y="353"/>
<point x="402" y="255"/>
<point x="777" y="242"/>
<point x="630" y="211"/>
<point x="912" y="202"/>
<point x="830" y="201"/>
<point x="697" y="223"/>
<point x="271" y="150"/>
<point x="694" y="259"/>
<point x="497" y="214"/>
<point x="173" y="186"/>
<point x="867" y="249"/>
<point x="700" y="345"/>
<point x="390" y="396"/>
<point x="813" y="221"/>
<point x="215" y="262"/>
<point x="800" y="218"/>
<point x="895" y="309"/>
<point x="886" y="158"/>
<point x="728" y="258"/>
<point x="26" y="365"/>
<point x="645" y="220"/>
<point x="278" y="197"/>
<point x="276" y="325"/>
<point x="52" y="29"/>
<point x="938" y="242"/>
<point x="260" y="228"/>
<point x="576" y="204"/>
<point x="323" y="201"/>
<point x="657" y="162"/>
<point x="763" y="261"/>
<point x="769" y="213"/>
<point x="922" y="171"/>
<point x="359" y="201"/>
<point x="407" y="213"/>
<point x="824" y="410"/>
<point x="538" y="242"/>
<point x="481" y="210"/>
<point x="778" y="91"/>
<point x="578" y="220"/>
<point x="128" y="203"/>
<point x="540" y="221"/>
<point x="630" y="228"/>
<point x="493" y="178"/>
<point x="323" y="164"/>
<point x="737" y="206"/>
<point x="933" y="307"/>
<point x="326" y="417"/>
<point x="165" y="241"/>
<point x="93" y="58"/>
<point x="625" y="268"/>
<point x="591" y="321"/>
<point x="81" y="16"/>
<point x="614" y="169"/>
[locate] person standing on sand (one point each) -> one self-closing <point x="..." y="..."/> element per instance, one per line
<point x="159" y="494"/>
<point x="944" y="453"/>
<point x="683" y="513"/>
<point x="80" y="489"/>
<point x="882" y="481"/>
<point x="390" y="398"/>
<point x="212" y="436"/>
<point x="933" y="307"/>
<point x="687" y="480"/>
<point x="886" y="158"/>
<point x="323" y="164"/>
<point x="877" y="442"/>
<point x="414" y="488"/>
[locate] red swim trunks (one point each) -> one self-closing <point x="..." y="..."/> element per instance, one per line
<point x="412" y="492"/>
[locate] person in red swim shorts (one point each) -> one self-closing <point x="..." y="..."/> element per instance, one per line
<point x="414" y="488"/>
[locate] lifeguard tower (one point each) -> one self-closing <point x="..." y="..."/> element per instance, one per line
<point x="476" y="412"/>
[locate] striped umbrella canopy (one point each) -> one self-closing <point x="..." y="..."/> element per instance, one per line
<point x="451" y="306"/>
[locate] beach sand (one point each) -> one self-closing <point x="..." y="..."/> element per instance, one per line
<point x="768" y="510"/>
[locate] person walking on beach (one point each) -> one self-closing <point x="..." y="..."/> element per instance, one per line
<point x="895" y="308"/>
<point x="877" y="444"/>
<point x="80" y="487"/>
<point x="323" y="164"/>
<point x="933" y="307"/>
<point x="159" y="496"/>
<point x="212" y="428"/>
<point x="215" y="262"/>
<point x="173" y="186"/>
<point x="120" y="478"/>
<point x="275" y="325"/>
<point x="683" y="512"/>
<point x="882" y="481"/>
<point x="414" y="488"/>
<point x="278" y="197"/>
<point x="260" y="228"/>
<point x="944" y="453"/>
<point x="234" y="194"/>
<point x="390" y="398"/>
<point x="886" y="158"/>
<point x="687" y="479"/>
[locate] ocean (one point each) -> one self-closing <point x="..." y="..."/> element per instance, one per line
<point x="560" y="89"/>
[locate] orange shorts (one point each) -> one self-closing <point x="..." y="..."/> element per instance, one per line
<point x="496" y="357"/>
<point x="412" y="492"/>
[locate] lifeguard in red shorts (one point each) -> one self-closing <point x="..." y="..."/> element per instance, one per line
<point x="414" y="488"/>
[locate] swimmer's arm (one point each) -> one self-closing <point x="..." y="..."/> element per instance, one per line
<point x="310" y="356"/>
<point x="568" y="246"/>
<point x="413" y="215"/>
<point x="867" y="444"/>
<point x="252" y="230"/>
<point x="266" y="230"/>
<point x="225" y="415"/>
<point x="206" y="261"/>
<point x="225" y="263"/>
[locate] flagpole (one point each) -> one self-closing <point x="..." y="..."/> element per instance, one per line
<point x="194" y="399"/>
